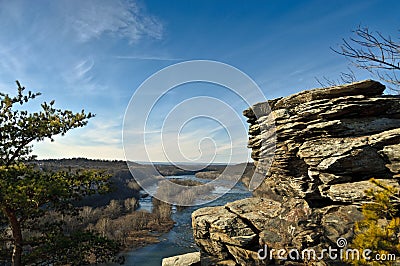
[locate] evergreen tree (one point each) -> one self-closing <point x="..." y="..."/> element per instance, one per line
<point x="379" y="231"/>
<point x="28" y="193"/>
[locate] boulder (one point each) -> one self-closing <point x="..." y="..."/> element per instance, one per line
<point x="315" y="151"/>
<point x="324" y="137"/>
<point x="188" y="259"/>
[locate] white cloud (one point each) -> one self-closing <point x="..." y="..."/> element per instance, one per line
<point x="92" y="18"/>
<point x="80" y="77"/>
<point x="100" y="139"/>
<point x="80" y="71"/>
<point x="61" y="41"/>
<point x="203" y="144"/>
<point x="101" y="131"/>
<point x="146" y="57"/>
<point x="83" y="67"/>
<point x="59" y="149"/>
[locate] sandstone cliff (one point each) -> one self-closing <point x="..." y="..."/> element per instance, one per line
<point x="329" y="142"/>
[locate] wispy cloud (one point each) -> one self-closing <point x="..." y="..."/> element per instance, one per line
<point x="80" y="77"/>
<point x="102" y="131"/>
<point x="62" y="41"/>
<point x="100" y="139"/>
<point x="120" y="18"/>
<point x="58" y="149"/>
<point x="143" y="57"/>
<point x="83" y="67"/>
<point x="204" y="141"/>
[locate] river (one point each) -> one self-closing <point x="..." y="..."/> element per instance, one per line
<point x="180" y="239"/>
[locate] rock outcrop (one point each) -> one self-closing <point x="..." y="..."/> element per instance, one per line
<point x="327" y="143"/>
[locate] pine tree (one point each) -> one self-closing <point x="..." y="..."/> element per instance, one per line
<point x="28" y="193"/>
<point x="379" y="231"/>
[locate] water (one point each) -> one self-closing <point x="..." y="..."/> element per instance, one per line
<point x="180" y="239"/>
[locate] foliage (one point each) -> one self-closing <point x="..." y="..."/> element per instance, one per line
<point x="31" y="192"/>
<point x="28" y="193"/>
<point x="19" y="128"/>
<point x="379" y="231"/>
<point x="78" y="248"/>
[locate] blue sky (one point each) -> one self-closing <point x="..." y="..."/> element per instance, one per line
<point x="94" y="55"/>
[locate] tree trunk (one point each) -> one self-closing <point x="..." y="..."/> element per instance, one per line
<point x="17" y="237"/>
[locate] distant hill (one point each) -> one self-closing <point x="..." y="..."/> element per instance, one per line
<point x="123" y="183"/>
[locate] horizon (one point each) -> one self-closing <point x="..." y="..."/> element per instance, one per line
<point x="143" y="162"/>
<point x="94" y="55"/>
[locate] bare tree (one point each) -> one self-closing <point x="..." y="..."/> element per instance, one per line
<point x="345" y="77"/>
<point x="374" y="52"/>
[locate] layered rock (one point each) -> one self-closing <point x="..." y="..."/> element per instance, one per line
<point x="317" y="150"/>
<point x="332" y="137"/>
<point x="235" y="233"/>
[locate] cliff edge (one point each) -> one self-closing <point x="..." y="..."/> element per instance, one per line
<point x="328" y="143"/>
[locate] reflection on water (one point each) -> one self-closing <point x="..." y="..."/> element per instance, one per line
<point x="180" y="239"/>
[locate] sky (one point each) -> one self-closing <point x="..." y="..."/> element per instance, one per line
<point x="95" y="54"/>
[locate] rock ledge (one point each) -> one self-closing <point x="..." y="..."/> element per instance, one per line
<point x="329" y="143"/>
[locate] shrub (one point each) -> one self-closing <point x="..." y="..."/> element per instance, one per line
<point x="379" y="231"/>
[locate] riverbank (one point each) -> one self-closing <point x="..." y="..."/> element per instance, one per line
<point x="179" y="239"/>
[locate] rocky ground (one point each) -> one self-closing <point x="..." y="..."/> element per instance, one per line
<point x="328" y="143"/>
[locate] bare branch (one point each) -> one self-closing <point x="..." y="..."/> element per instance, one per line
<point x="345" y="78"/>
<point x="374" y="52"/>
